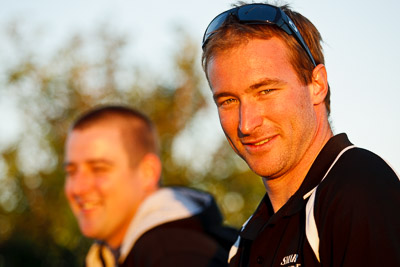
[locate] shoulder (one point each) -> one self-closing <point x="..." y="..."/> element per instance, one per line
<point x="178" y="243"/>
<point x="180" y="233"/>
<point x="359" y="184"/>
<point x="355" y="210"/>
<point x="362" y="161"/>
<point x="359" y="171"/>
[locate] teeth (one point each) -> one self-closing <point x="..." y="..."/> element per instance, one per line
<point x="87" y="205"/>
<point x="262" y="142"/>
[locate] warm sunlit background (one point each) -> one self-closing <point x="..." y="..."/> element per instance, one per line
<point x="58" y="58"/>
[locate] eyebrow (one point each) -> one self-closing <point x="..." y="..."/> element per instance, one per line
<point x="267" y="82"/>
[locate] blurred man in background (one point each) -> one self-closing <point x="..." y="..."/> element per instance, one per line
<point x="112" y="184"/>
<point x="327" y="202"/>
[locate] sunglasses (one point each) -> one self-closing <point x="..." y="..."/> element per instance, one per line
<point x="258" y="14"/>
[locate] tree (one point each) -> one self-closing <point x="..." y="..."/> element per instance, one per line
<point x="36" y="225"/>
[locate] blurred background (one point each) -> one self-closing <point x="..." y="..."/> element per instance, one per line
<point x="59" y="58"/>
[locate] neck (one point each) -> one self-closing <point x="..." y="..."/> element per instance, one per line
<point x="282" y="188"/>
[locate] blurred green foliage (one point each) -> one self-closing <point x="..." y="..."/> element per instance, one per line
<point x="36" y="226"/>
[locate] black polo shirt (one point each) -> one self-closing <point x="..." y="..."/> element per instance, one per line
<point x="357" y="213"/>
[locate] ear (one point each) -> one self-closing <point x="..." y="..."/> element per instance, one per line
<point x="319" y="84"/>
<point x="150" y="169"/>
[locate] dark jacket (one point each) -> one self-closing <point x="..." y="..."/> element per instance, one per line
<point x="176" y="226"/>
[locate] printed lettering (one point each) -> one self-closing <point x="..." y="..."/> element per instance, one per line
<point x="290" y="259"/>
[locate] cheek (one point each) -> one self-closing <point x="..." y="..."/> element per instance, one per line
<point x="305" y="110"/>
<point x="228" y="121"/>
<point x="297" y="105"/>
<point x="115" y="184"/>
<point x="105" y="185"/>
<point x="68" y="189"/>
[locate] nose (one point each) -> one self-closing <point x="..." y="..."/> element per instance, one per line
<point x="250" y="118"/>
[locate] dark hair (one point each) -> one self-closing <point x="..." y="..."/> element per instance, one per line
<point x="234" y="33"/>
<point x="138" y="131"/>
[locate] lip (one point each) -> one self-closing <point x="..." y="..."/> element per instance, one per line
<point x="87" y="205"/>
<point x="259" y="144"/>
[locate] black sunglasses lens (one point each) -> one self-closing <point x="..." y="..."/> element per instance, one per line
<point x="249" y="13"/>
<point x="215" y="24"/>
<point x="257" y="13"/>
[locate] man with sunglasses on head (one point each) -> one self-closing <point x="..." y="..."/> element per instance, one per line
<point x="112" y="185"/>
<point x="327" y="202"/>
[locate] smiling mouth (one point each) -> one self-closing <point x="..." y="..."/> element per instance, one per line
<point x="89" y="205"/>
<point x="262" y="142"/>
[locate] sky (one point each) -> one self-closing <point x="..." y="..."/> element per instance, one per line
<point x="361" y="44"/>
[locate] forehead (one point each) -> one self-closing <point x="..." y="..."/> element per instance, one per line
<point x="256" y="59"/>
<point x="100" y="140"/>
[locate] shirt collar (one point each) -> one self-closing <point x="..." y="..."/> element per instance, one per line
<point x="264" y="213"/>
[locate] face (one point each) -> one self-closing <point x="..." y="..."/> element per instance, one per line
<point x="102" y="187"/>
<point x="266" y="113"/>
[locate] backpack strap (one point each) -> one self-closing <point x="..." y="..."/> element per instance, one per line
<point x="311" y="226"/>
